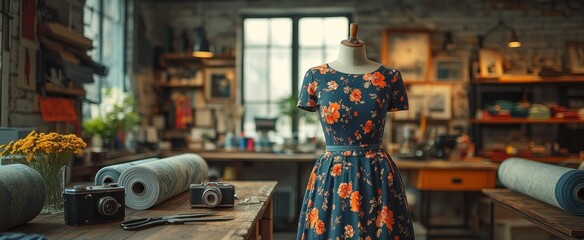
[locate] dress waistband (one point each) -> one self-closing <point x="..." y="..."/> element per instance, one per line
<point x="352" y="147"/>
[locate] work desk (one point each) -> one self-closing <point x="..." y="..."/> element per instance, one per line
<point x="251" y="220"/>
<point x="550" y="218"/>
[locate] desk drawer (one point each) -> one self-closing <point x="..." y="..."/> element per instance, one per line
<point x="454" y="180"/>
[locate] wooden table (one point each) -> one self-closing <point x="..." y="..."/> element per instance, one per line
<point x="251" y="220"/>
<point x="548" y="217"/>
<point x="447" y="176"/>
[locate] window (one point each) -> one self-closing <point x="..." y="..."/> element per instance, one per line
<point x="4" y="23"/>
<point x="104" y="23"/>
<point x="277" y="51"/>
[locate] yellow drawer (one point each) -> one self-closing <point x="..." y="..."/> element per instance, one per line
<point x="454" y="180"/>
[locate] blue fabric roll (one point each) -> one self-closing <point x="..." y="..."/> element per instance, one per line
<point x="111" y="174"/>
<point x="559" y="186"/>
<point x="22" y="195"/>
<point x="148" y="184"/>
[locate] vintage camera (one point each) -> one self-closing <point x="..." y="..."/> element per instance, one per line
<point x="94" y="204"/>
<point x="212" y="194"/>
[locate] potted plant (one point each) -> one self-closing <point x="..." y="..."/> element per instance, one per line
<point x="114" y="121"/>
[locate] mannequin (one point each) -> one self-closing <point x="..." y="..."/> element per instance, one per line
<point x="352" y="56"/>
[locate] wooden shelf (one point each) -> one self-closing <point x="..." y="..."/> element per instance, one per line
<point x="178" y="85"/>
<point x="528" y="79"/>
<point x="51" y="88"/>
<point x="525" y="121"/>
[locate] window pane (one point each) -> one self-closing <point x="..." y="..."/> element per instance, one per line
<point x="335" y="30"/>
<point x="310" y="32"/>
<point x="113" y="53"/>
<point x="280" y="73"/>
<point x="281" y="32"/>
<point x="255" y="74"/>
<point x="308" y="58"/>
<point x="112" y="9"/>
<point x="256" y="31"/>
<point x="251" y="111"/>
<point x="331" y="54"/>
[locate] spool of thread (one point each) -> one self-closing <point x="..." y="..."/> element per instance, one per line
<point x="22" y="195"/>
<point x="149" y="184"/>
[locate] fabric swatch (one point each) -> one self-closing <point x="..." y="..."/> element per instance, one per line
<point x="22" y="195"/>
<point x="559" y="186"/>
<point x="151" y="183"/>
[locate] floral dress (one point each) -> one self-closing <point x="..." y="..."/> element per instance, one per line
<point x="354" y="190"/>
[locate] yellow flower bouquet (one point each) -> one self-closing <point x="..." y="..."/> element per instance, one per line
<point x="48" y="154"/>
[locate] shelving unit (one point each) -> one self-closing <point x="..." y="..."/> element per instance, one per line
<point x="184" y="74"/>
<point x="566" y="91"/>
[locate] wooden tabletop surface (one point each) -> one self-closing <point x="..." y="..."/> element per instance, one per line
<point x="548" y="217"/>
<point x="257" y="193"/>
<point x="224" y="156"/>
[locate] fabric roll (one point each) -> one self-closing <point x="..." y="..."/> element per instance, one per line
<point x="22" y="195"/>
<point x="559" y="186"/>
<point x="111" y="174"/>
<point x="149" y="184"/>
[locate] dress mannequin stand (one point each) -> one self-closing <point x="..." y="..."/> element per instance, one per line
<point x="352" y="56"/>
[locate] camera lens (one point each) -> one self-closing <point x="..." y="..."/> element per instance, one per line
<point x="211" y="197"/>
<point x="107" y="206"/>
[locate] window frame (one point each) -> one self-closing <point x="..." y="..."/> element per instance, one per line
<point x="295" y="48"/>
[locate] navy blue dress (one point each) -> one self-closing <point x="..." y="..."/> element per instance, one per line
<point x="354" y="190"/>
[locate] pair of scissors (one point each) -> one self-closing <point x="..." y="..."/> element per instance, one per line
<point x="144" y="223"/>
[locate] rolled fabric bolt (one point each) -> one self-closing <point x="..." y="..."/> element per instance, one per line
<point x="558" y="186"/>
<point x="149" y="184"/>
<point x="22" y="195"/>
<point x="111" y="174"/>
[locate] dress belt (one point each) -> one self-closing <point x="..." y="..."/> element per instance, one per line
<point x="352" y="147"/>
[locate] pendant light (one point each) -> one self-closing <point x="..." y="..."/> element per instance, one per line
<point x="201" y="48"/>
<point x="513" y="43"/>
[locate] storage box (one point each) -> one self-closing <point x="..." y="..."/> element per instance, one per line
<point x="518" y="229"/>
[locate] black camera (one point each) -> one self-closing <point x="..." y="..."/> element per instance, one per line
<point x="94" y="204"/>
<point x="212" y="194"/>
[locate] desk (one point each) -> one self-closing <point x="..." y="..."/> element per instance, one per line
<point x="550" y="218"/>
<point x="251" y="221"/>
<point x="460" y="176"/>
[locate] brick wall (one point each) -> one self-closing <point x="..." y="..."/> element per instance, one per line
<point x="24" y="104"/>
<point x="542" y="26"/>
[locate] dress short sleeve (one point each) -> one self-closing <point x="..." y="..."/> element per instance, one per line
<point x="308" y="99"/>
<point x="399" y="96"/>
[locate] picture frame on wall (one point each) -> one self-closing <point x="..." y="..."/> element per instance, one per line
<point x="436" y="102"/>
<point x="220" y="84"/>
<point x="409" y="51"/>
<point x="450" y="69"/>
<point x="575" y="54"/>
<point x="490" y="63"/>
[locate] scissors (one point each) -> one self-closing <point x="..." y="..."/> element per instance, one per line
<point x="144" y="223"/>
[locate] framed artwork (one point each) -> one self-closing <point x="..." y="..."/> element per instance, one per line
<point x="575" y="53"/>
<point x="447" y="69"/>
<point x="490" y="63"/>
<point x="435" y="101"/>
<point x="27" y="65"/>
<point x="440" y="102"/>
<point x="407" y="50"/>
<point x="220" y="84"/>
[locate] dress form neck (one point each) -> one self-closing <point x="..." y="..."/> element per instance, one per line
<point x="352" y="57"/>
<point x="353" y="60"/>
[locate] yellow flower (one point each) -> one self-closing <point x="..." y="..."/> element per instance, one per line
<point x="42" y="146"/>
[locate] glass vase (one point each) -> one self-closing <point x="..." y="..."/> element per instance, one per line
<point x="54" y="176"/>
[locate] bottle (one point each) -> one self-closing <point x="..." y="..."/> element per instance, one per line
<point x="228" y="141"/>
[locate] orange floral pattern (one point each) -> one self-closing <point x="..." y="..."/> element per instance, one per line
<point x="336" y="171"/>
<point x="331" y="113"/>
<point x="355" y="192"/>
<point x="355" y="95"/>
<point x="355" y="201"/>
